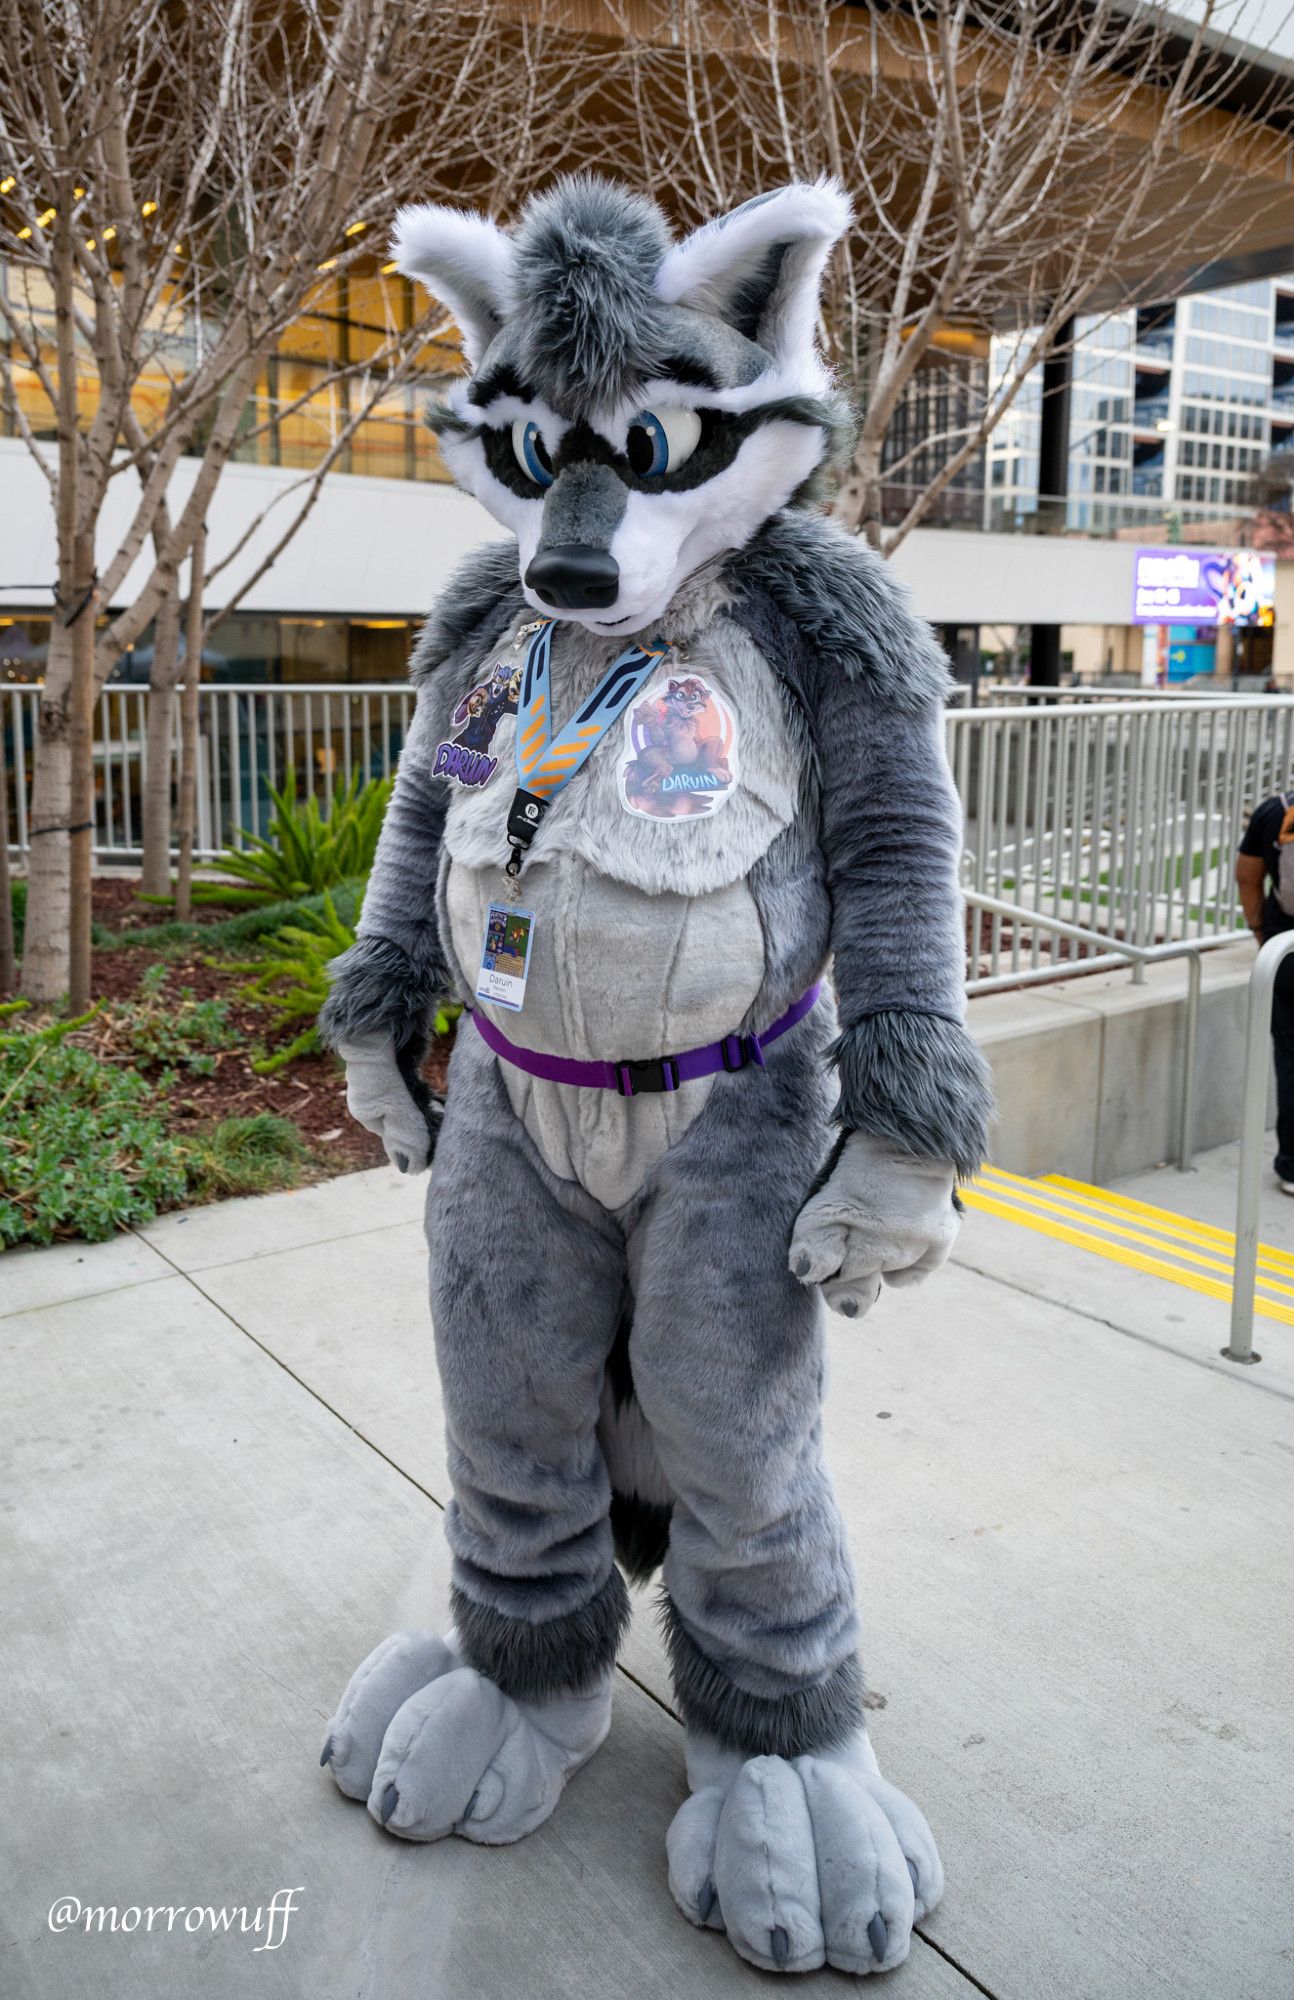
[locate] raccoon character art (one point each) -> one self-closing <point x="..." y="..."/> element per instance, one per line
<point x="739" y="1083"/>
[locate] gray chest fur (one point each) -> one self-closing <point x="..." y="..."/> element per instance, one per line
<point x="649" y="937"/>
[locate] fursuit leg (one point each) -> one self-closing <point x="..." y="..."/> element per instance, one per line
<point x="476" y="1733"/>
<point x="791" y="1841"/>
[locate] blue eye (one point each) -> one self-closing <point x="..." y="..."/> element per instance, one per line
<point x="531" y="452"/>
<point x="661" y="440"/>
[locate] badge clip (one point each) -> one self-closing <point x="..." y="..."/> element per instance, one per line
<point x="525" y="815"/>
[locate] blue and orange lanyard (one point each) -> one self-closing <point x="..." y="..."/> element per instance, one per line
<point x="547" y="763"/>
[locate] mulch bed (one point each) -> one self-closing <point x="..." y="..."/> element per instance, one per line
<point x="310" y="1091"/>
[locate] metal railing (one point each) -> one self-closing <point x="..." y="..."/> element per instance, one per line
<point x="251" y="736"/>
<point x="1095" y="830"/>
<point x="1018" y="693"/>
<point x="1253" y="1119"/>
<point x="1120" y="819"/>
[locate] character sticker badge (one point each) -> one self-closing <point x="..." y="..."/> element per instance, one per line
<point x="465" y="756"/>
<point x="680" y="754"/>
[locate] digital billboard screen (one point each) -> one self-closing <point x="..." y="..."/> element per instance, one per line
<point x="1203" y="587"/>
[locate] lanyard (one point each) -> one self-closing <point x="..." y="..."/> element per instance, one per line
<point x="546" y="764"/>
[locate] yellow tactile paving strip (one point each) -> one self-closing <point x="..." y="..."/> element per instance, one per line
<point x="1155" y="1241"/>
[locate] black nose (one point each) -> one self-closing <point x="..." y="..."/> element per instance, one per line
<point x="575" y="578"/>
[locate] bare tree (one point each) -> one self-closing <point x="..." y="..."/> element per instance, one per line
<point x="1012" y="164"/>
<point x="177" y="182"/>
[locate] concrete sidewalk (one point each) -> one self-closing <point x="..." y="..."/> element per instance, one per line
<point x="1072" y="1527"/>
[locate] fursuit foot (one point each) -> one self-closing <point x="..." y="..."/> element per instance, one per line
<point x="802" y="1861"/>
<point x="434" y="1748"/>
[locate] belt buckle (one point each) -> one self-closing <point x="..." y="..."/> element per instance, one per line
<point x="653" y="1073"/>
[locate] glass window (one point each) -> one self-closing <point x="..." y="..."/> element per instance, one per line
<point x="293" y="417"/>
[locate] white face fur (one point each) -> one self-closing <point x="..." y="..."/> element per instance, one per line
<point x="662" y="537"/>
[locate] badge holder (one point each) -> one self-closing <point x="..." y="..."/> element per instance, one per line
<point x="525" y="816"/>
<point x="506" y="955"/>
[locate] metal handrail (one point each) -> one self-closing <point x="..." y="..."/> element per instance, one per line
<point x="993" y="693"/>
<point x="1244" y="1276"/>
<point x="1138" y="956"/>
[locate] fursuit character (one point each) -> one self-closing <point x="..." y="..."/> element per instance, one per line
<point x="665" y="1141"/>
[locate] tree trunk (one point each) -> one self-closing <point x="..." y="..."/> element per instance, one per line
<point x="156" y="873"/>
<point x="857" y="504"/>
<point x="8" y="969"/>
<point x="189" y="710"/>
<point x="81" y="785"/>
<point x="46" y="935"/>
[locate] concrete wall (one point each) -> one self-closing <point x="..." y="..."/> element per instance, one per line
<point x="384" y="547"/>
<point x="960" y="577"/>
<point x="370" y="547"/>
<point x="1089" y="1071"/>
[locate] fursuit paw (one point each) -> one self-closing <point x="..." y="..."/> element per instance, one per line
<point x="881" y="1215"/>
<point x="379" y="1097"/>
<point x="450" y="1753"/>
<point x="804" y="1861"/>
<point x="393" y="1671"/>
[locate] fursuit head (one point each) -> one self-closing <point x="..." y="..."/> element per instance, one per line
<point x="712" y="1076"/>
<point x="635" y="406"/>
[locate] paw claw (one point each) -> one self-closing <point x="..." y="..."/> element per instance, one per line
<point x="402" y="1162"/>
<point x="912" y="1871"/>
<point x="779" y="1945"/>
<point x="326" y="1756"/>
<point x="878" y="1937"/>
<point x="390" y="1800"/>
<point x="849" y="1307"/>
<point x="705" y="1901"/>
<point x="802" y="1266"/>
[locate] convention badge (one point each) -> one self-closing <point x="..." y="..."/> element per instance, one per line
<point x="680" y="751"/>
<point x="465" y="756"/>
<point x="505" y="956"/>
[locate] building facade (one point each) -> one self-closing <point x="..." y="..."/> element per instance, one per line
<point x="1175" y="410"/>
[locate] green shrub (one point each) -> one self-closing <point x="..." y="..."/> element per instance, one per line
<point x="305" y="849"/>
<point x="167" y="1030"/>
<point x="245" y="1156"/>
<point x="245" y="927"/>
<point x="290" y="977"/>
<point x="83" y="1148"/>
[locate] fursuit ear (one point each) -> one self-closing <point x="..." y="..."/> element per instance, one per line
<point x="760" y="266"/>
<point x="465" y="261"/>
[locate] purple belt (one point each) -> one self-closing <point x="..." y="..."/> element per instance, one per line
<point x="632" y="1079"/>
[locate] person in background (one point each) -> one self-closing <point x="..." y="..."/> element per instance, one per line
<point x="1265" y="879"/>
